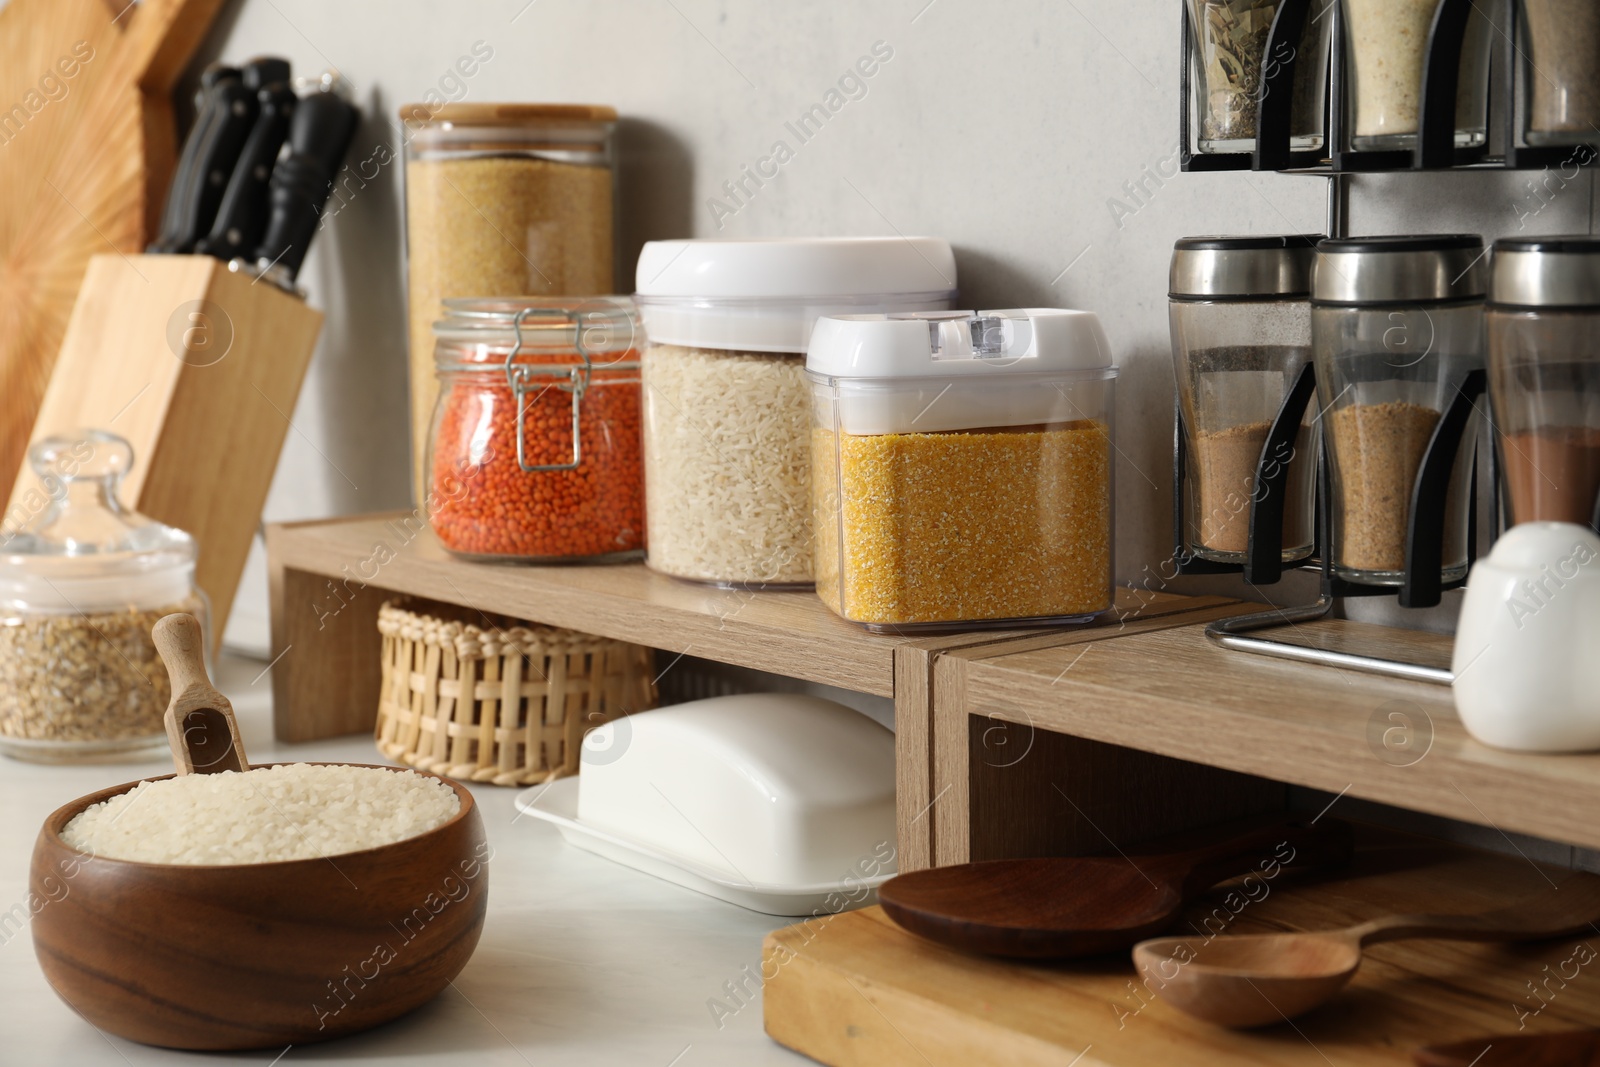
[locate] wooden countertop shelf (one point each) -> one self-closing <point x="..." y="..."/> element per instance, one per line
<point x="854" y="990"/>
<point x="1175" y="693"/>
<point x="330" y="576"/>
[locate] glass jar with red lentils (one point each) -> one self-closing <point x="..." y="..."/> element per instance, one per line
<point x="535" y="447"/>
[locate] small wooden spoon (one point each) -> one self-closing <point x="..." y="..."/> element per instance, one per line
<point x="1577" y="1048"/>
<point x="201" y="727"/>
<point x="1064" y="907"/>
<point x="1258" y="979"/>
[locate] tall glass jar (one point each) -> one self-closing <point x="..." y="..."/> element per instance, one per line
<point x="727" y="418"/>
<point x="1241" y="336"/>
<point x="1396" y="326"/>
<point x="1231" y="61"/>
<point x="535" y="447"/>
<point x="1544" y="375"/>
<point x="81" y="584"/>
<point x="1386" y="47"/>
<point x="1561" y="61"/>
<point x="503" y="200"/>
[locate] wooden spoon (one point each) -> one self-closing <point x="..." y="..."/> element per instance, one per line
<point x="201" y="727"/>
<point x="1257" y="979"/>
<point x="1577" y="1048"/>
<point x="1063" y="907"/>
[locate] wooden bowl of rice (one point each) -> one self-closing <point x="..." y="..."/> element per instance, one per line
<point x="257" y="955"/>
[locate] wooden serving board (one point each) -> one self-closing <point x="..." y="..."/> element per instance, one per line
<point x="854" y="990"/>
<point x="85" y="160"/>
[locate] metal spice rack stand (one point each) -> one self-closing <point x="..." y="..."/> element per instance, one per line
<point x="1435" y="149"/>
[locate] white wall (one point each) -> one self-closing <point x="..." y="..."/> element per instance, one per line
<point x="1007" y="126"/>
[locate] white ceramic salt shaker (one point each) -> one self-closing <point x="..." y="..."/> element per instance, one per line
<point x="1527" y="654"/>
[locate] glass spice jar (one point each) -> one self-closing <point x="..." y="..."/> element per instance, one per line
<point x="535" y="448"/>
<point x="1396" y="326"/>
<point x="1231" y="62"/>
<point x="81" y="585"/>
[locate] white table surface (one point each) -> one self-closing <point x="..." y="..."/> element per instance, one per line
<point x="581" y="961"/>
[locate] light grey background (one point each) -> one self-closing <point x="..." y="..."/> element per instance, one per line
<point x="1010" y="127"/>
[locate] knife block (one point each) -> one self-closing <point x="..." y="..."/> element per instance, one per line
<point x="199" y="368"/>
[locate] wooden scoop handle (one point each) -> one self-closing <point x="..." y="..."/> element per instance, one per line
<point x="1579" y="1048"/>
<point x="201" y="727"/>
<point x="1571" y="907"/>
<point x="1298" y="845"/>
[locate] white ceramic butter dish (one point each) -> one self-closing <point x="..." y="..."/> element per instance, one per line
<point x="778" y="802"/>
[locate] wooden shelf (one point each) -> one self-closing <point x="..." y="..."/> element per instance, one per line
<point x="854" y="990"/>
<point x="1176" y="694"/>
<point x="330" y="577"/>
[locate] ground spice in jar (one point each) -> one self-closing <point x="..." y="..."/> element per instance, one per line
<point x="84" y="677"/>
<point x="1553" y="474"/>
<point x="1226" y="462"/>
<point x="935" y="527"/>
<point x="1378" y="449"/>
<point x="484" y="504"/>
<point x="1564" y="86"/>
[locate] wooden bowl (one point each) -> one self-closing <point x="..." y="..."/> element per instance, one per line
<point x="257" y="955"/>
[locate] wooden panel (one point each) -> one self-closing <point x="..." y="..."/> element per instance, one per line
<point x="326" y="672"/>
<point x="206" y="404"/>
<point x="1177" y="694"/>
<point x="854" y="990"/>
<point x="956" y="750"/>
<point x="786" y="633"/>
<point x="1038" y="793"/>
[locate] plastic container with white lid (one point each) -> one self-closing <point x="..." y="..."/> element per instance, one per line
<point x="81" y="585"/>
<point x="963" y="467"/>
<point x="726" y="420"/>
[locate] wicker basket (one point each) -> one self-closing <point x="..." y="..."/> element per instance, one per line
<point x="506" y="705"/>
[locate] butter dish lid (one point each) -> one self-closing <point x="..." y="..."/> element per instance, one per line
<point x="958" y="344"/>
<point x="770" y="788"/>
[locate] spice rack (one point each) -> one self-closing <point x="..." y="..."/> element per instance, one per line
<point x="1435" y="140"/>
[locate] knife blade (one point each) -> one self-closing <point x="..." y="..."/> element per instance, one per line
<point x="242" y="215"/>
<point x="319" y="135"/>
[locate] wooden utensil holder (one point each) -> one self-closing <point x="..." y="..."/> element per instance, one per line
<point x="199" y="369"/>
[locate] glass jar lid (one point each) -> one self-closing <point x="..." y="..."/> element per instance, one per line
<point x="1220" y="268"/>
<point x="1437" y="269"/>
<point x="81" y="549"/>
<point x="1546" y="272"/>
<point x="601" y="332"/>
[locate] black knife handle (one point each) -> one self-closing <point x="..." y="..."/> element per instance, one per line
<point x="181" y="196"/>
<point x="216" y="149"/>
<point x="319" y="134"/>
<point x="242" y="217"/>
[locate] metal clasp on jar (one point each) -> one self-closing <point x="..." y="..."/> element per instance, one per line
<point x="520" y="380"/>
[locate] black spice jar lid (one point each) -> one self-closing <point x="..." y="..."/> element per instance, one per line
<point x="1232" y="268"/>
<point x="1546" y="272"/>
<point x="1430" y="269"/>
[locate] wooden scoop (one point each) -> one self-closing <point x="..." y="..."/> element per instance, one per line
<point x="1258" y="979"/>
<point x="201" y="728"/>
<point x="1063" y="907"/>
<point x="1577" y="1048"/>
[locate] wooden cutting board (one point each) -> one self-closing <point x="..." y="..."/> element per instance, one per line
<point x="87" y="149"/>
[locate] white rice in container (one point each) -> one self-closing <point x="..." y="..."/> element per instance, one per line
<point x="728" y="465"/>
<point x="266" y="815"/>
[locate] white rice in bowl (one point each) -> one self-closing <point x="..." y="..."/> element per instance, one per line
<point x="265" y="815"/>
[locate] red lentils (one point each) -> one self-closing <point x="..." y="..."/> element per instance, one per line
<point x="483" y="504"/>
